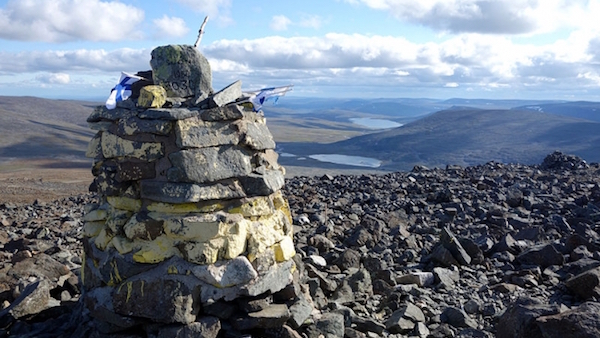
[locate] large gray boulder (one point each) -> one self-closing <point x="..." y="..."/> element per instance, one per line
<point x="519" y="320"/>
<point x="580" y="322"/>
<point x="182" y="70"/>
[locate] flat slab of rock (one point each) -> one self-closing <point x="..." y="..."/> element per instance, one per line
<point x="190" y="193"/>
<point x="209" y="164"/>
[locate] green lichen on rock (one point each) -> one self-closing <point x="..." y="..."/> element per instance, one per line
<point x="182" y="70"/>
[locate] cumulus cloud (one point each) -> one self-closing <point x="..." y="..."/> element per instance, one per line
<point x="170" y="27"/>
<point x="490" y="16"/>
<point x="331" y="51"/>
<point x="280" y="23"/>
<point x="75" y="61"/>
<point x="311" y="21"/>
<point x="69" y="20"/>
<point x="463" y="61"/>
<point x="218" y="10"/>
<point x="57" y="78"/>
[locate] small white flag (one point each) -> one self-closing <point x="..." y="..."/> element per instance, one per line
<point x="259" y="97"/>
<point x="122" y="90"/>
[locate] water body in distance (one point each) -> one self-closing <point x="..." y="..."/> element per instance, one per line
<point x="357" y="161"/>
<point x="375" y="123"/>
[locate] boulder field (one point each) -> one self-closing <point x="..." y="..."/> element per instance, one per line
<point x="494" y="250"/>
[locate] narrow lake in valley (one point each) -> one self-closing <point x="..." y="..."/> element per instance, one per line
<point x="375" y="123"/>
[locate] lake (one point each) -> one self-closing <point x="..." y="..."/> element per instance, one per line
<point x="375" y="123"/>
<point x="357" y="161"/>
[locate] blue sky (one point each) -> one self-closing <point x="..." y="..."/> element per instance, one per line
<point x="520" y="49"/>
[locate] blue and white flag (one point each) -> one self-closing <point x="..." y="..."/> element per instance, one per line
<point x="259" y="97"/>
<point x="122" y="90"/>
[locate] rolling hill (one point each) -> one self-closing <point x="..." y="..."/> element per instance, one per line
<point x="580" y="109"/>
<point x="33" y="127"/>
<point x="466" y="136"/>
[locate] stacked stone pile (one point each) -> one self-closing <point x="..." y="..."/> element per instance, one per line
<point x="191" y="228"/>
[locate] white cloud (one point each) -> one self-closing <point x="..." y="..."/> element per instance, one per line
<point x="56" y="78"/>
<point x="468" y="63"/>
<point x="311" y="21"/>
<point x="218" y="10"/>
<point x="463" y="61"/>
<point x="170" y="27"/>
<point x="491" y="16"/>
<point x="69" y="20"/>
<point x="80" y="61"/>
<point x="280" y="23"/>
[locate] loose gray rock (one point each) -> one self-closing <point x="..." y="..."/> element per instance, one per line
<point x="542" y="255"/>
<point x="450" y="242"/>
<point x="519" y="320"/>
<point x="33" y="299"/>
<point x="580" y="322"/>
<point x="404" y="319"/>
<point x="457" y="318"/>
<point x="273" y="316"/>
<point x="330" y="325"/>
<point x="585" y="285"/>
<point x="206" y="327"/>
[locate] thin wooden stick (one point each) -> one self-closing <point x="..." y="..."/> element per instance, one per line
<point x="201" y="32"/>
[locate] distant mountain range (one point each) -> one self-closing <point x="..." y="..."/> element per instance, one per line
<point x="465" y="135"/>
<point x="474" y="136"/>
<point x="581" y="109"/>
<point x="435" y="132"/>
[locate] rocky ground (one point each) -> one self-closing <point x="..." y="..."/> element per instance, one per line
<point x="492" y="250"/>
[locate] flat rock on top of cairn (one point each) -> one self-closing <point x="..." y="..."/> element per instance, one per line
<point x="191" y="213"/>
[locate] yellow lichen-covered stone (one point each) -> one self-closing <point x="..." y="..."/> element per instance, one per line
<point x="103" y="239"/>
<point x="152" y="96"/>
<point x="124" y="203"/>
<point x="184" y="208"/>
<point x="282" y="204"/>
<point x="122" y="245"/>
<point x="277" y="220"/>
<point x="155" y="251"/>
<point x="280" y="221"/>
<point x="204" y="252"/>
<point x="257" y="206"/>
<point x="236" y="239"/>
<point x="262" y="235"/>
<point x="92" y="229"/>
<point x="284" y="250"/>
<point x="95" y="215"/>
<point x="115" y="146"/>
<point x="200" y="228"/>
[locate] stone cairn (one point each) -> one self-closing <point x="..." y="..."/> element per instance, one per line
<point x="192" y="234"/>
